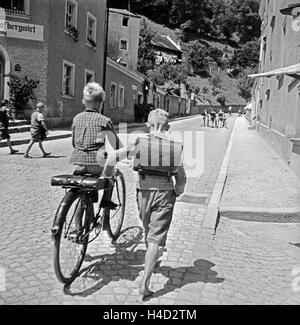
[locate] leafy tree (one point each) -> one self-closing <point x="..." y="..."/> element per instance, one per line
<point x="221" y="99"/>
<point x="216" y="82"/>
<point x="198" y="58"/>
<point x="168" y="72"/>
<point x="146" y="54"/>
<point x="247" y="55"/>
<point x="245" y="83"/>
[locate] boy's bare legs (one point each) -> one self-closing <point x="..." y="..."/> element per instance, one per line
<point x="28" y="148"/>
<point x="150" y="262"/>
<point x="45" y="154"/>
<point x="12" y="150"/>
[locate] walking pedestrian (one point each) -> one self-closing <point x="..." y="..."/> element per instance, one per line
<point x="213" y="115"/>
<point x="4" y="123"/>
<point x="220" y="118"/>
<point x="38" y="129"/>
<point x="230" y="110"/>
<point x="156" y="189"/>
<point x="203" y="118"/>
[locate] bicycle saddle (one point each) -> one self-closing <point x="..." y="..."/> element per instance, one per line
<point x="83" y="181"/>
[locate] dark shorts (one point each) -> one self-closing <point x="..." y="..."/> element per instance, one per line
<point x="38" y="134"/>
<point x="156" y="211"/>
<point x="4" y="134"/>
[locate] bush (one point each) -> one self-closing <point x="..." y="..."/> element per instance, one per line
<point x="221" y="99"/>
<point x="21" y="90"/>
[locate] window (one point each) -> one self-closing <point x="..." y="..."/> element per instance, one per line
<point x="89" y="76"/>
<point x="123" y="45"/>
<point x="125" y="21"/>
<point x="71" y="13"/>
<point x="113" y="94"/>
<point x="68" y="79"/>
<point x="91" y="29"/>
<point x="140" y="98"/>
<point x="121" y="97"/>
<point x="15" y="7"/>
<point x="158" y="101"/>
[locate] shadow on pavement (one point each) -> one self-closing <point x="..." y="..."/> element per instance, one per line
<point x="200" y="272"/>
<point x="127" y="263"/>
<point x="124" y="264"/>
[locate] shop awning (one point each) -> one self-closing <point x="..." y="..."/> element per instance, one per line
<point x="292" y="71"/>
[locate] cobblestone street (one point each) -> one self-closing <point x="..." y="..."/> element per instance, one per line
<point x="245" y="263"/>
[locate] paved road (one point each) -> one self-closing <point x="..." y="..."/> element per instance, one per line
<point x="241" y="265"/>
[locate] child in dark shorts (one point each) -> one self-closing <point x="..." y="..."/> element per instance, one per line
<point x="4" y="123"/>
<point x="156" y="197"/>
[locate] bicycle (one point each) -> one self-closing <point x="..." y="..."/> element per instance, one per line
<point x="78" y="204"/>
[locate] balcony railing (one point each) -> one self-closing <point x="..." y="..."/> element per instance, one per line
<point x="15" y="12"/>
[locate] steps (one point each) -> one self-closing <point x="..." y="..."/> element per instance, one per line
<point x="18" y="126"/>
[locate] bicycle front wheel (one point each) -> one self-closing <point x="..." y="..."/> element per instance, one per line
<point x="118" y="196"/>
<point x="70" y="243"/>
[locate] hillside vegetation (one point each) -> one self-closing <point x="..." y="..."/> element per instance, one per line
<point x="225" y="32"/>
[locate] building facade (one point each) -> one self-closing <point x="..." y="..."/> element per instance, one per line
<point x="276" y="95"/>
<point x="58" y="42"/>
<point x="123" y="37"/>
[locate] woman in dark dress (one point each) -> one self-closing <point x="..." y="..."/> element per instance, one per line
<point x="4" y="127"/>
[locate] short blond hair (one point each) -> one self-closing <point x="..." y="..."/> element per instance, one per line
<point x="158" y="117"/>
<point x="93" y="92"/>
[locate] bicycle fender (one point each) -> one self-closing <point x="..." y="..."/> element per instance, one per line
<point x="58" y="219"/>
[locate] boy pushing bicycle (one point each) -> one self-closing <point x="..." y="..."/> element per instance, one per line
<point x="156" y="189"/>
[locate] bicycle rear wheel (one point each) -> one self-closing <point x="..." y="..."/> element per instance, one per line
<point x="118" y="196"/>
<point x="70" y="249"/>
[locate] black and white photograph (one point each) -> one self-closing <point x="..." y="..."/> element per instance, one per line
<point x="149" y="155"/>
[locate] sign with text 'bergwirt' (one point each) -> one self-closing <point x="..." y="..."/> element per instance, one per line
<point x="21" y="30"/>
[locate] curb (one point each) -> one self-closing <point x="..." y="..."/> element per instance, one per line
<point x="275" y="215"/>
<point x="26" y="141"/>
<point x="212" y="215"/>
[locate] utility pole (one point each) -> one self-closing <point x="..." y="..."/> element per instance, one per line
<point x="105" y="44"/>
<point x="129" y="6"/>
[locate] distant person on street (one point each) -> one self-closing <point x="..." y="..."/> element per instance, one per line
<point x="230" y="110"/>
<point x="213" y="115"/>
<point x="156" y="192"/>
<point x="220" y="118"/>
<point x="4" y="123"/>
<point x="89" y="131"/>
<point x="203" y="118"/>
<point x="38" y="129"/>
<point x="206" y="118"/>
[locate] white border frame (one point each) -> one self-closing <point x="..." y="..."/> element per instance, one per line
<point x="65" y="62"/>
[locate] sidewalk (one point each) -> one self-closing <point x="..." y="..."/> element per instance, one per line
<point x="20" y="138"/>
<point x="259" y="186"/>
